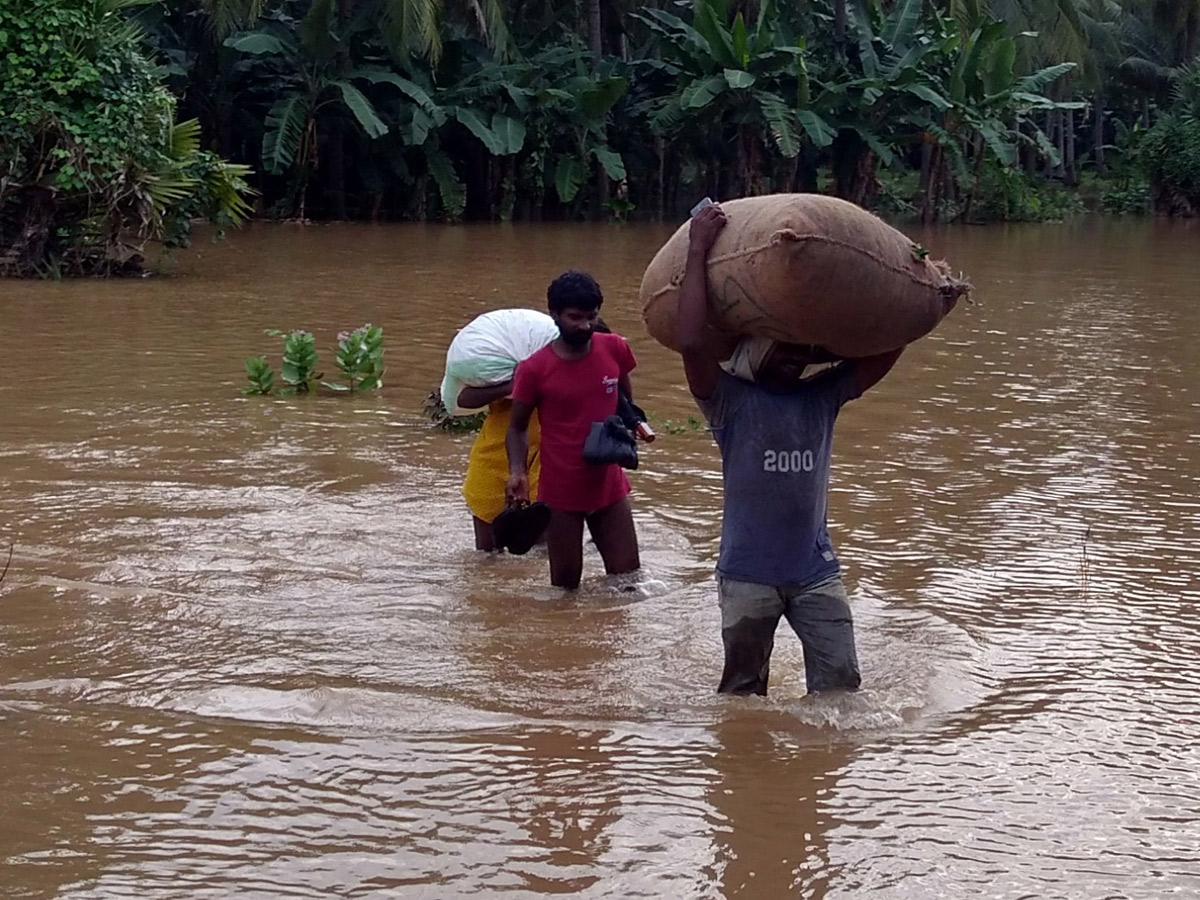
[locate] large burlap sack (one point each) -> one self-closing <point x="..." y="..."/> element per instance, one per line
<point x="807" y="269"/>
<point x="488" y="348"/>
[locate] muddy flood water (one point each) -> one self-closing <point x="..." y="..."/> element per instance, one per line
<point x="247" y="649"/>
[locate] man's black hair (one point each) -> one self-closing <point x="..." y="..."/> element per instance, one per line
<point x="574" y="290"/>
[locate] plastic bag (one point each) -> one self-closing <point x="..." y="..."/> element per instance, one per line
<point x="487" y="349"/>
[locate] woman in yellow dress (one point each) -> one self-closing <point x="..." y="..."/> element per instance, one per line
<point x="487" y="465"/>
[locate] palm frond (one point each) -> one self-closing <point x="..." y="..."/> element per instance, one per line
<point x="284" y="133"/>
<point x="228" y="16"/>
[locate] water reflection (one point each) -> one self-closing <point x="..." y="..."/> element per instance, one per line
<point x="770" y="819"/>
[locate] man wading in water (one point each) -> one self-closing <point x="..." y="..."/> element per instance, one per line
<point x="774" y="428"/>
<point x="573" y="382"/>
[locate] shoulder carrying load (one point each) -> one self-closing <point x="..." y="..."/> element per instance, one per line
<point x="807" y="269"/>
<point x="488" y="348"/>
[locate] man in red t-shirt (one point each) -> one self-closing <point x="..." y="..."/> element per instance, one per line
<point x="573" y="382"/>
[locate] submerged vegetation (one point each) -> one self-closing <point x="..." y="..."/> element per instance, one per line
<point x="359" y="357"/>
<point x="127" y="120"/>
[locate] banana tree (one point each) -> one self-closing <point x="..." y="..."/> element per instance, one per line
<point x="431" y="123"/>
<point x="583" y="104"/>
<point x="727" y="78"/>
<point x="991" y="111"/>
<point x="555" y="108"/>
<point x="306" y="65"/>
<point x="873" y="97"/>
<point x="411" y="27"/>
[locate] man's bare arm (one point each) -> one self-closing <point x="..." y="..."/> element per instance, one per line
<point x="700" y="366"/>
<point x="516" y="442"/>
<point x="869" y="370"/>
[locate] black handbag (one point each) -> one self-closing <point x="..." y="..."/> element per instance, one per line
<point x="610" y="442"/>
<point x="517" y="528"/>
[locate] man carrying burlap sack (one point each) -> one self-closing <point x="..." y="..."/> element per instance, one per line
<point x="771" y="409"/>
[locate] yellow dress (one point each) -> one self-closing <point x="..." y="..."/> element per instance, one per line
<point x="487" y="466"/>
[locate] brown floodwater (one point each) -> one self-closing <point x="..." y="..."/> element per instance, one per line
<point x="247" y="649"/>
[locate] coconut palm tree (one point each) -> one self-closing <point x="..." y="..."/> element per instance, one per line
<point x="411" y="26"/>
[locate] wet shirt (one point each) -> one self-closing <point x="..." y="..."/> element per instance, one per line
<point x="571" y="394"/>
<point x="775" y="457"/>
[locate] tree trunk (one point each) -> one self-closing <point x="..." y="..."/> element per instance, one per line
<point x="36" y="217"/>
<point x="787" y="180"/>
<point x="595" y="27"/>
<point x="1069" y="140"/>
<point x="839" y="27"/>
<point x="595" y="32"/>
<point x="929" y="197"/>
<point x="660" y="149"/>
<point x="745" y="174"/>
<point x="1060" y="143"/>
<point x="948" y="187"/>
<point x="980" y="156"/>
<point x="335" y="170"/>
<point x="1049" y="129"/>
<point x="853" y="169"/>
<point x="1098" y="135"/>
<point x="806" y="178"/>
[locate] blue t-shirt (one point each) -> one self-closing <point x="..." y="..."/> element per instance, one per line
<point x="775" y="455"/>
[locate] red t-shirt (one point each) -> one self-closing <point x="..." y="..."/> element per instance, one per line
<point x="571" y="394"/>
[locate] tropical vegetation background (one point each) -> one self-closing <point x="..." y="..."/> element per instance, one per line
<point x="123" y="121"/>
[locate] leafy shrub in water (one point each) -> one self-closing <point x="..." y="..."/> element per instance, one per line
<point x="437" y="413"/>
<point x="261" y="375"/>
<point x="300" y="357"/>
<point x="359" y="361"/>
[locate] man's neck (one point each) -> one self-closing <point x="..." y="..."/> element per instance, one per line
<point x="566" y="351"/>
<point x="775" y="386"/>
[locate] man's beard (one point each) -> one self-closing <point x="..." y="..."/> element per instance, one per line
<point x="576" y="340"/>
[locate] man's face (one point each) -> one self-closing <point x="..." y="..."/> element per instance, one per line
<point x="575" y="325"/>
<point x="786" y="363"/>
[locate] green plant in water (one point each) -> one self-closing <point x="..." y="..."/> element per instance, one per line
<point x="670" y="426"/>
<point x="300" y="358"/>
<point x="436" y="410"/>
<point x="260" y="375"/>
<point x="359" y="359"/>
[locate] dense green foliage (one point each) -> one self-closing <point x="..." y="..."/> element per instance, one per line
<point x="411" y="109"/>
<point x="1170" y="151"/>
<point x="92" y="161"/>
<point x="646" y="109"/>
<point x="598" y="108"/>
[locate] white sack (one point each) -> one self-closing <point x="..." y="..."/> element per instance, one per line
<point x="488" y="348"/>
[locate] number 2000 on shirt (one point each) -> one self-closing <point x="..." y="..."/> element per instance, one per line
<point x="788" y="461"/>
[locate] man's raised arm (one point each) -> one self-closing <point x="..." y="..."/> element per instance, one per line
<point x="700" y="366"/>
